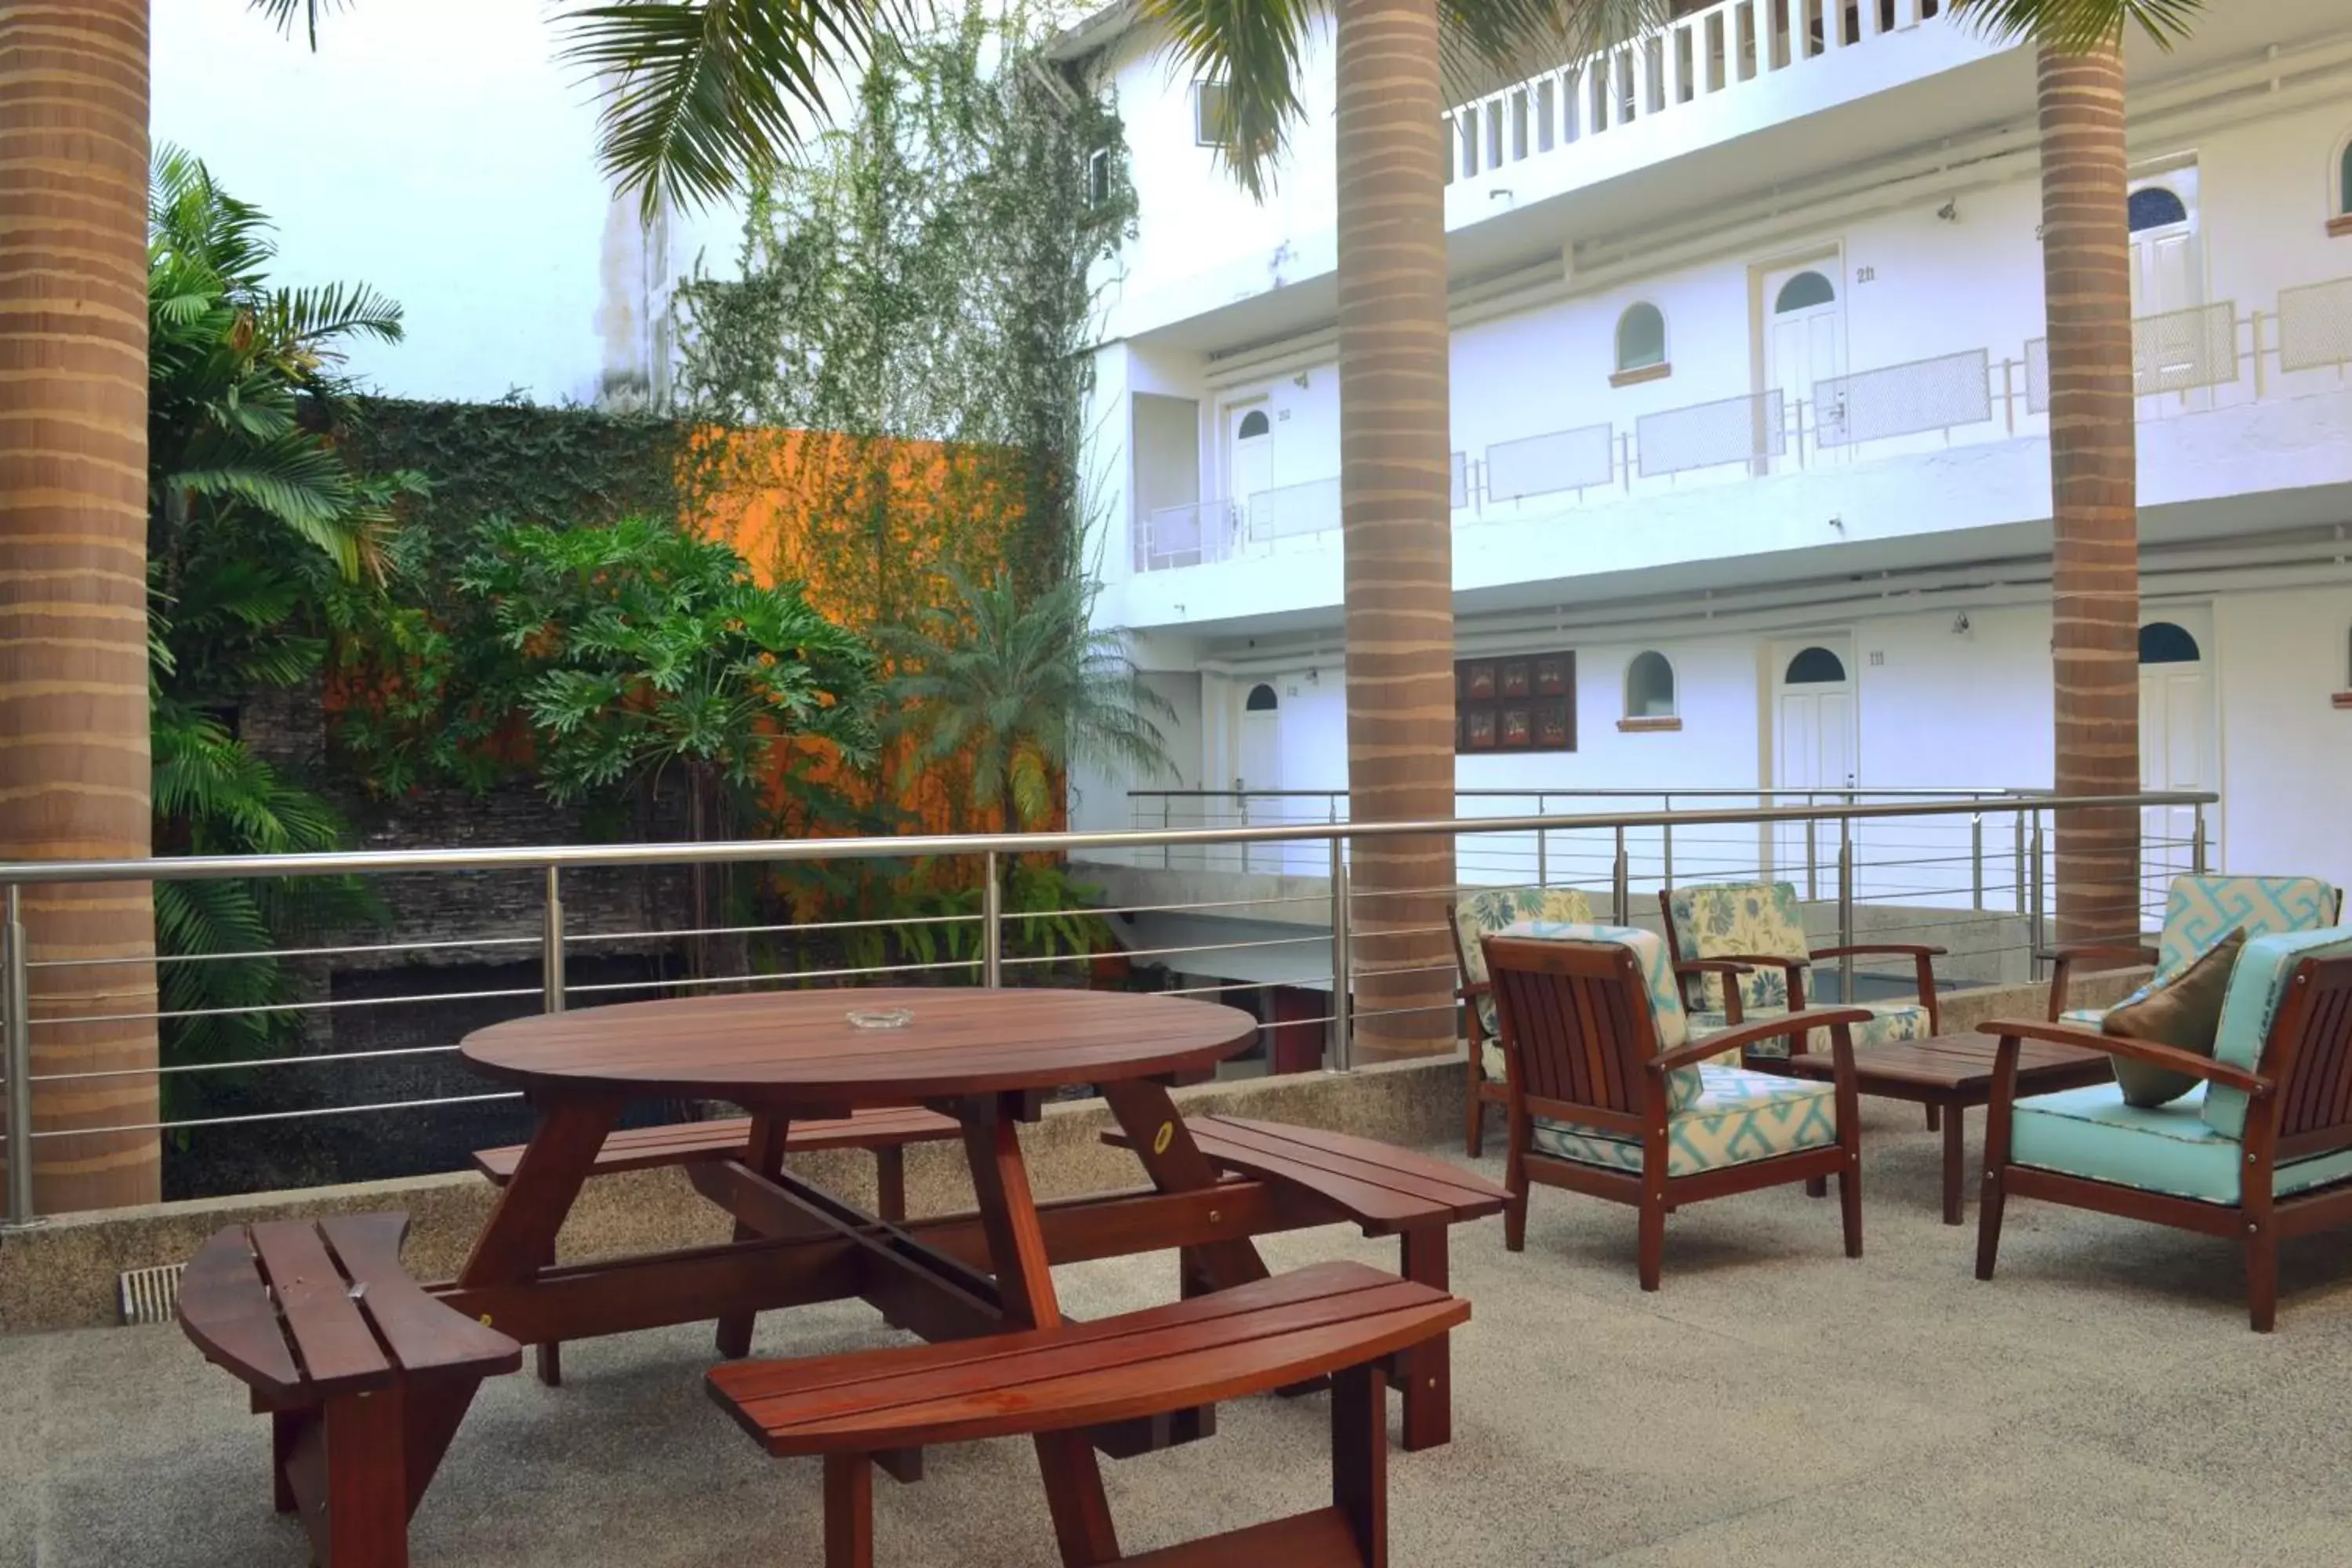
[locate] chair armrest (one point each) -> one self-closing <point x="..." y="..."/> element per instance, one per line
<point x="2148" y="1052"/>
<point x="1474" y="988"/>
<point x="1767" y="960"/>
<point x="1772" y="1028"/>
<point x="2123" y="952"/>
<point x="1907" y="950"/>
<point x="1711" y="966"/>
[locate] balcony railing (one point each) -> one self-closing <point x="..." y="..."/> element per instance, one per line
<point x="1696" y="58"/>
<point x="2184" y="362"/>
<point x="1888" y="865"/>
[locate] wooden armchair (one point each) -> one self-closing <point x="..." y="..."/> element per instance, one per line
<point x="1470" y="920"/>
<point x="1606" y="1096"/>
<point x="2198" y="911"/>
<point x="1761" y="925"/>
<point x="2261" y="1150"/>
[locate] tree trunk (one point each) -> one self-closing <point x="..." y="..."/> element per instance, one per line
<point x="74" y="773"/>
<point x="1397" y="517"/>
<point x="2094" y="582"/>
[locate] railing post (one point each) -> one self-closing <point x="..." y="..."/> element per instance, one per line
<point x="1845" y="910"/>
<point x="2017" y="861"/>
<point x="1165" y="850"/>
<point x="1343" y="963"/>
<point x="1543" y="849"/>
<point x="16" y="1020"/>
<point x="551" y="945"/>
<point x="2197" y="845"/>
<point x="1975" y="859"/>
<point x="1620" y="882"/>
<point x="1666" y="840"/>
<point x="2039" y="936"/>
<point x="991" y="928"/>
<point x="1812" y="857"/>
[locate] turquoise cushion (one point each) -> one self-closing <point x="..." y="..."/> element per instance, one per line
<point x="2198" y="911"/>
<point x="1890" y="1023"/>
<point x="1738" y="1117"/>
<point x="2256" y="988"/>
<point x="1649" y="948"/>
<point x="2169" y="1149"/>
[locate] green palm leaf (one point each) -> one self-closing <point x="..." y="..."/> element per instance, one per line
<point x="2072" y="26"/>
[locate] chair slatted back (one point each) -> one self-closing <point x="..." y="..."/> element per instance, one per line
<point x="2313" y="1048"/>
<point x="1576" y="1026"/>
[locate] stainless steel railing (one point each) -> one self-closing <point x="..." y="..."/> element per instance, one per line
<point x="555" y="940"/>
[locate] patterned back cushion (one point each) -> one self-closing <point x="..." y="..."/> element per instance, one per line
<point x="1727" y="919"/>
<point x="1489" y="910"/>
<point x="1684" y="1084"/>
<point x="2200" y="911"/>
<point x="2257" y="985"/>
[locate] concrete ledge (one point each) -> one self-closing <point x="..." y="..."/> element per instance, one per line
<point x="64" y="1273"/>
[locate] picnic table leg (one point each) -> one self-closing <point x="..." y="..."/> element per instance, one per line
<point x="1360" y="1458"/>
<point x="285" y="1434"/>
<point x="848" y="1512"/>
<point x="1175" y="1163"/>
<point x="550" y="1356"/>
<point x="1954" y="1161"/>
<point x="1427" y="1368"/>
<point x="520" y="1235"/>
<point x="1025" y="1281"/>
<point x="764" y="1153"/>
<point x="891" y="1181"/>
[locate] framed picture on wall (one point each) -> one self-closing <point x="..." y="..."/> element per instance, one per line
<point x="1517" y="704"/>
<point x="1552" y="732"/>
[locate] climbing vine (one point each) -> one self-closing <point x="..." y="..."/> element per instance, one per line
<point x="927" y="276"/>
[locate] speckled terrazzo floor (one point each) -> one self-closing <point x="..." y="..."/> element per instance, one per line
<point x="2103" y="1402"/>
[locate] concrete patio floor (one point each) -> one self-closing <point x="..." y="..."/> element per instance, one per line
<point x="2102" y="1402"/>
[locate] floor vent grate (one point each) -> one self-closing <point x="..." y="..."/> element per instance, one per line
<point x="151" y="1295"/>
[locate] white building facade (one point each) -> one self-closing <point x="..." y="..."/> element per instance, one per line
<point x="1749" y="419"/>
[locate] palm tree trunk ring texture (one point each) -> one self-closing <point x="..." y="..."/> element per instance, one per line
<point x="2094" y="584"/>
<point x="1396" y="516"/>
<point x="74" y="768"/>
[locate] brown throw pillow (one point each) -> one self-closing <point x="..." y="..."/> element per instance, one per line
<point x="2186" y="1012"/>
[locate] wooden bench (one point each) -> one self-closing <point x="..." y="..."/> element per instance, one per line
<point x="365" y="1376"/>
<point x="1387" y="1190"/>
<point x="1338" y="1319"/>
<point x="886" y="1131"/>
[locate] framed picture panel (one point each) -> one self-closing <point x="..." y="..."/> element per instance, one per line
<point x="1523" y="703"/>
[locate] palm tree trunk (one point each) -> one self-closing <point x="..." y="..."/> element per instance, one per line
<point x="2094" y="582"/>
<point x="1396" y="516"/>
<point x="74" y="774"/>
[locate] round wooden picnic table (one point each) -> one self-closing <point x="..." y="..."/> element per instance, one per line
<point x="984" y="1055"/>
<point x="801" y="1051"/>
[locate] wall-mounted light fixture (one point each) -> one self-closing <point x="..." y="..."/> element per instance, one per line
<point x="1960" y="624"/>
<point x="1950" y="211"/>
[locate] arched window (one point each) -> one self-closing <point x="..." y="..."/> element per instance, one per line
<point x="1649" y="686"/>
<point x="1814" y="666"/>
<point x="1254" y="424"/>
<point x="1260" y="699"/>
<point x="2155" y="207"/>
<point x="2161" y="642"/>
<point x="1804" y="291"/>
<point x="1641" y="338"/>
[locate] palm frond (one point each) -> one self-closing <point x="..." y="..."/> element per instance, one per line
<point x="705" y="96"/>
<point x="284" y="12"/>
<point x="2072" y="26"/>
<point x="1253" y="47"/>
<point x="316" y="317"/>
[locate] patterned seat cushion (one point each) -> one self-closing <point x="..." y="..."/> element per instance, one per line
<point x="1738" y="1117"/>
<point x="2172" y="1149"/>
<point x="1890" y="1023"/>
<point x="1684" y="1084"/>
<point x="2198" y="911"/>
<point x="1727" y="920"/>
<point x="1488" y="911"/>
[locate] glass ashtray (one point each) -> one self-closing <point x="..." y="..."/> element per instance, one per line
<point x="880" y="1017"/>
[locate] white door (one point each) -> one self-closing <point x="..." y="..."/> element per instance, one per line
<point x="2175" y="744"/>
<point x="1813" y="749"/>
<point x="1261" y="760"/>
<point x="1804" y="340"/>
<point x="1249" y="459"/>
<point x="2167" y="269"/>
